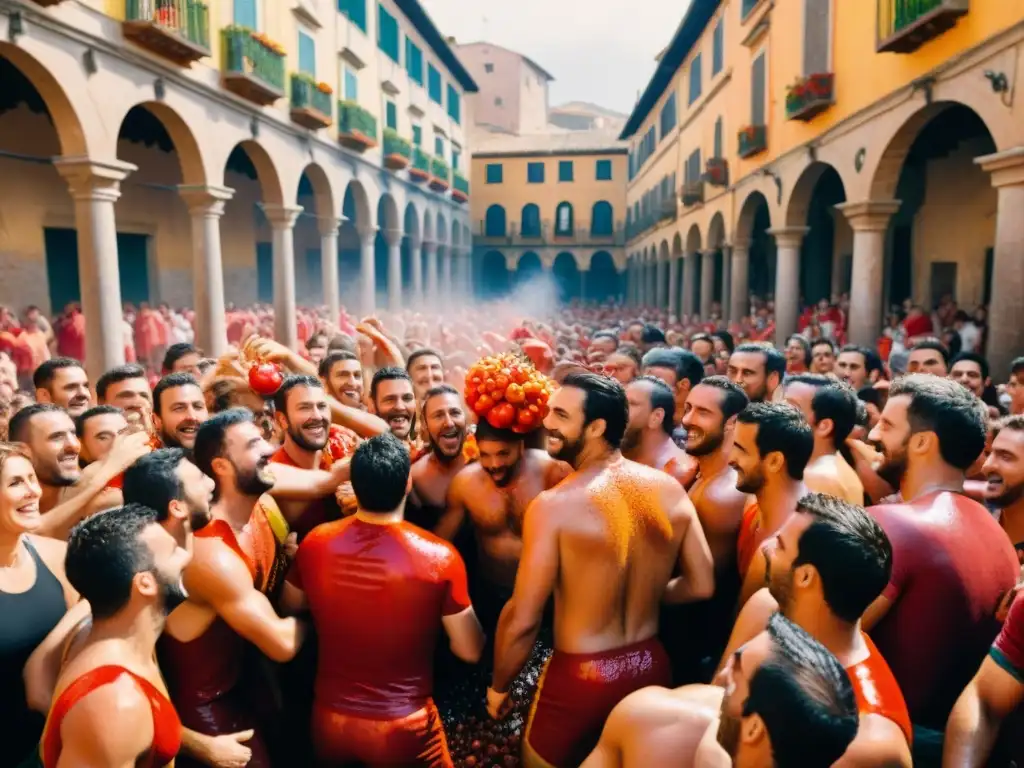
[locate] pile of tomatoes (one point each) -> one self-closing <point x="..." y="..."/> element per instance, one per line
<point x="508" y="392"/>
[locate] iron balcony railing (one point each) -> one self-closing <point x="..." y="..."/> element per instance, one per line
<point x="353" y="118"/>
<point x="245" y="54"/>
<point x="307" y="94"/>
<point x="460" y="183"/>
<point x="189" y="19"/>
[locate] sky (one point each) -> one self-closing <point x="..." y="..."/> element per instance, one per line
<point x="601" y="51"/>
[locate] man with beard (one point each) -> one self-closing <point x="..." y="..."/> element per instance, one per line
<point x="758" y="369"/>
<point x="648" y="437"/>
<point x="1015" y="386"/>
<point x="342" y="375"/>
<point x="495" y="492"/>
<point x="605" y="543"/>
<point x="944" y="544"/>
<point x="178" y="409"/>
<point x="63" y="382"/>
<point x="173" y="486"/>
<point x="127" y="387"/>
<point x="831" y="410"/>
<point x="96" y="430"/>
<point x="681" y="370"/>
<point x="235" y="565"/>
<point x="1004" y="475"/>
<point x="858" y="366"/>
<point x="827" y="564"/>
<point x="771" y="446"/>
<point x="111" y="705"/>
<point x="426" y="370"/>
<point x="823" y="356"/>
<point x="445" y="419"/>
<point x="393" y="399"/>
<point x="783" y="699"/>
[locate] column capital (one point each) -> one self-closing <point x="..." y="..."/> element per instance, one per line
<point x="430" y="246"/>
<point x="366" y="233"/>
<point x="393" y="237"/>
<point x="205" y="199"/>
<point x="281" y="216"/>
<point x="1006" y="168"/>
<point x="790" y="237"/>
<point x="709" y="253"/>
<point x="869" y="215"/>
<point x="329" y="225"/>
<point x="91" y="179"/>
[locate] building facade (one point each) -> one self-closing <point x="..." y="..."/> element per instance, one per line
<point x="218" y="152"/>
<point x="808" y="148"/>
<point x="513" y="95"/>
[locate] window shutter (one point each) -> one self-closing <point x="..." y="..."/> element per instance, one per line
<point x="817" y="31"/>
<point x="757" y="106"/>
<point x="718" y="138"/>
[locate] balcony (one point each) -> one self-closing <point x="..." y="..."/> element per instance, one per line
<point x="809" y="96"/>
<point x="178" y="30"/>
<point x="357" y="128"/>
<point x="716" y="172"/>
<point x="419" y="171"/>
<point x="397" y="151"/>
<point x="692" y="193"/>
<point x="460" y="187"/>
<point x="667" y="212"/>
<point x="906" y="25"/>
<point x="542" y="236"/>
<point x="311" y="102"/>
<point x="753" y="140"/>
<point x="253" y="65"/>
<point x="440" y="175"/>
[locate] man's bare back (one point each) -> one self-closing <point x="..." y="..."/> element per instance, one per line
<point x="832" y="474"/>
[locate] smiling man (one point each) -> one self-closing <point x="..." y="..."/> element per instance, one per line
<point x="342" y="375"/>
<point x="1004" y="476"/>
<point x="444" y="416"/>
<point x="63" y="382"/>
<point x="393" y="398"/>
<point x="97" y="429"/>
<point x="426" y="370"/>
<point x="127" y="388"/>
<point x="179" y="409"/>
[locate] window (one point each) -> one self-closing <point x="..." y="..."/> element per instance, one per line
<point x="565" y="170"/>
<point x="692" y="168"/>
<point x="414" y="61"/>
<point x="718" y="48"/>
<point x="817" y="31"/>
<point x="439" y="146"/>
<point x="355" y="10"/>
<point x="563" y="219"/>
<point x="695" y="79"/>
<point x="351" y="82"/>
<point x="488" y="68"/>
<point x="757" y="91"/>
<point x="417" y="136"/>
<point x="434" y="84"/>
<point x="245" y="14"/>
<point x="535" y="173"/>
<point x="307" y="54"/>
<point x="718" y="138"/>
<point x="601" y="219"/>
<point x="454" y="104"/>
<point x="604" y="170"/>
<point x="668" y="116"/>
<point x="390" y="115"/>
<point x="387" y="33"/>
<point x="498" y="101"/>
<point x="530" y="225"/>
<point x="456" y="156"/>
<point x="494" y="173"/>
<point x="494" y="222"/>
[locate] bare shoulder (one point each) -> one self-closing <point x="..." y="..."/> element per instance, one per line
<point x="215" y="570"/>
<point x="554" y="471"/>
<point x="120" y="701"/>
<point x="879" y="742"/>
<point x="419" y="466"/>
<point x="465" y="478"/>
<point x="52" y="551"/>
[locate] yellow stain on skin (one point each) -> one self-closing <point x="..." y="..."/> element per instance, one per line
<point x="631" y="506"/>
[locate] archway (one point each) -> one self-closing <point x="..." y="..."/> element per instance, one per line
<point x="528" y="268"/>
<point x="410" y="246"/>
<point x="826" y="254"/>
<point x="387" y="221"/>
<point x="752" y="227"/>
<point x="315" y="198"/>
<point x="529" y="226"/>
<point x="694" y="269"/>
<point x="603" y="281"/>
<point x="495" y="224"/>
<point x="716" y="241"/>
<point x="602" y="219"/>
<point x="494" y="277"/>
<point x="355" y="212"/>
<point x="678" y="283"/>
<point x="564" y="224"/>
<point x="567" y="277"/>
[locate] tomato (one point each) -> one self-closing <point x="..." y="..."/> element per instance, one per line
<point x="519" y="375"/>
<point x="526" y="418"/>
<point x="515" y="394"/>
<point x="501" y="381"/>
<point x="483" y="404"/>
<point x="497" y="394"/>
<point x="501" y="416"/>
<point x="265" y="379"/>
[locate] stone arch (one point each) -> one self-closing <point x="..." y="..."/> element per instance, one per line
<point x="528" y="267"/>
<point x="494" y="275"/>
<point x="602" y="219"/>
<point x="387" y="213"/>
<point x="663" y="251"/>
<point x="456" y="233"/>
<point x="495" y="221"/>
<point x="267" y="174"/>
<point x="442" y="228"/>
<point x="796" y="210"/>
<point x="693" y="239"/>
<point x="748" y="211"/>
<point x="529" y="220"/>
<point x="566" y="271"/>
<point x="411" y="222"/>
<point x="716" y="231"/>
<point x="603" y="279"/>
<point x="323" y="194"/>
<point x="467" y="238"/>
<point x="186" y="147"/>
<point x="677" y="245"/>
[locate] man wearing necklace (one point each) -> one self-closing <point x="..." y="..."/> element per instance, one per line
<point x="952" y="563"/>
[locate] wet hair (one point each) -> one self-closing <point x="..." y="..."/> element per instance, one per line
<point x="335" y="357"/>
<point x="380" y="473"/>
<point x="43" y="376"/>
<point x="805" y="698"/>
<point x="726" y="338"/>
<point x="97" y="410"/>
<point x="153" y="480"/>
<point x="774" y="361"/>
<point x="290" y="383"/>
<point x="212" y="435"/>
<point x="949" y="410"/>
<point x="935" y="345"/>
<point x="972" y="357"/>
<point x="862" y="421"/>
<point x="171" y="381"/>
<point x="389" y="373"/>
<point x="175" y="352"/>
<point x="782" y="428"/>
<point x="422" y="352"/>
<point x="104" y="554"/>
<point x="660" y="396"/>
<point x="116" y="376"/>
<point x="803" y="343"/>
<point x="341" y="343"/>
<point x="604" y="398"/>
<point x="823" y="342"/>
<point x="440" y="389"/>
<point x="682" y="362"/>
<point x="1017" y="366"/>
<point x="872" y="362"/>
<point x="733" y="399"/>
<point x="311" y="341"/>
<point x="484" y="431"/>
<point x="21" y="423"/>
<point x="652" y="334"/>
<point x="605" y="335"/>
<point x="702" y="337"/>
<point x="1012" y="423"/>
<point x="844" y="540"/>
<point x="832" y="400"/>
<point x="630" y="350"/>
<point x="870" y="395"/>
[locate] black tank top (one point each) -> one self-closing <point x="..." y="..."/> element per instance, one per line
<point x="27" y="619"/>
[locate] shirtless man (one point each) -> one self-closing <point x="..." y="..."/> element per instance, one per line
<point x="234" y="566"/>
<point x="831" y="410"/>
<point x="759" y="369"/>
<point x="605" y="543"/>
<point x="342" y="375"/>
<point x="445" y="419"/>
<point x="111" y="706"/>
<point x="127" y="388"/>
<point x="495" y="493"/>
<point x="393" y="399"/>
<point x="175" y="487"/>
<point x="828" y="563"/>
<point x="738" y="722"/>
<point x="772" y="444"/>
<point x="96" y="430"/>
<point x="178" y="409"/>
<point x="858" y="366"/>
<point x="63" y="382"/>
<point x="648" y="438"/>
<point x="680" y="369"/>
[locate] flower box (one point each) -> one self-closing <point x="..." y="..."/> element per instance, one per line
<point x="753" y="139"/>
<point x="178" y="30"/>
<point x="809" y="96"/>
<point x="397" y="151"/>
<point x="357" y="128"/>
<point x="716" y="172"/>
<point x="440" y="175"/>
<point x="692" y="193"/>
<point x="253" y="65"/>
<point x="460" y="187"/>
<point x="311" y="102"/>
<point x="419" y="170"/>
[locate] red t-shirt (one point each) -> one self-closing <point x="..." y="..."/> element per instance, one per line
<point x="746" y="543"/>
<point x="952" y="564"/>
<point x="1008" y="653"/>
<point x="377" y="594"/>
<point x="877" y="691"/>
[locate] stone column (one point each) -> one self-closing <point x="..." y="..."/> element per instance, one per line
<point x="707" y="284"/>
<point x="787" y="281"/>
<point x="206" y="206"/>
<point x="95" y="187"/>
<point x="869" y="220"/>
<point x="417" y="270"/>
<point x="393" y="237"/>
<point x="689" y="282"/>
<point x="446" y="273"/>
<point x="726" y="283"/>
<point x="367" y="270"/>
<point x="282" y="222"/>
<point x="673" y="285"/>
<point x="583" y="281"/>
<point x="652" y="281"/>
<point x="329" y="265"/>
<point x="430" y="251"/>
<point x="662" y="283"/>
<point x="739" y="285"/>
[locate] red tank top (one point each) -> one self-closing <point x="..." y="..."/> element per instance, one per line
<point x="877" y="691"/>
<point x="746" y="544"/>
<point x="209" y="666"/>
<point x="166" y="725"/>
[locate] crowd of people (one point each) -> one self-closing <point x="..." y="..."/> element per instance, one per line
<point x="637" y="541"/>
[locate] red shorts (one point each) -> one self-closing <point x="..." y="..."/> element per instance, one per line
<point x="231" y="713"/>
<point x="577" y="692"/>
<point x="414" y="740"/>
